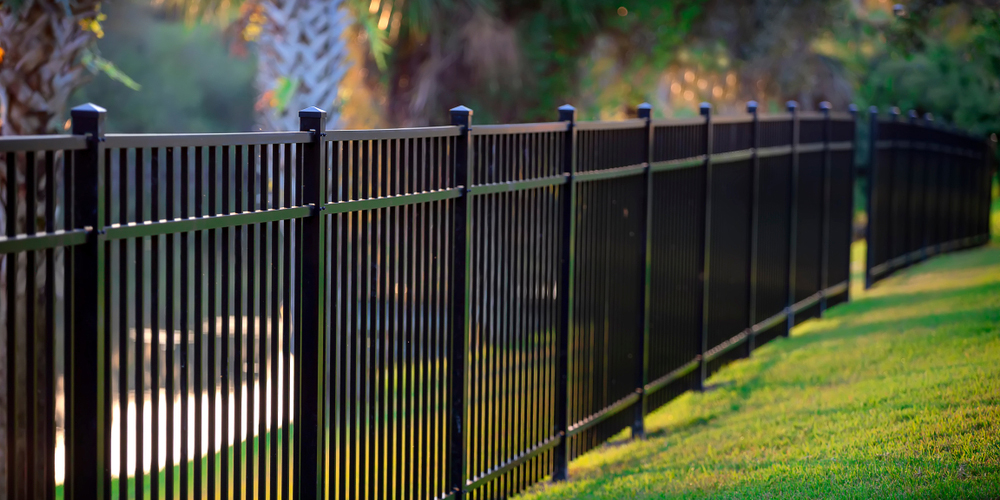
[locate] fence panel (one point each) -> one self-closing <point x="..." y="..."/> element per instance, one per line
<point x="731" y="175"/>
<point x="927" y="192"/>
<point x="390" y="218"/>
<point x="607" y="330"/>
<point x="516" y="246"/>
<point x="36" y="252"/>
<point x="728" y="268"/>
<point x="773" y="250"/>
<point x="449" y="312"/>
<point x="200" y="281"/>
<point x="841" y="217"/>
<point x="808" y="213"/>
<point x="677" y="262"/>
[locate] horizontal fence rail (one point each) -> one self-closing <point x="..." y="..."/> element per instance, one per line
<point x="928" y="191"/>
<point x="441" y="312"/>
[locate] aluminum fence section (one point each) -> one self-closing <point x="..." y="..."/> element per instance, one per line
<point x="438" y="312"/>
<point x="39" y="237"/>
<point x="839" y="225"/>
<point x="606" y="339"/>
<point x="200" y="281"/>
<point x="810" y="204"/>
<point x="728" y="256"/>
<point x="388" y="316"/>
<point x="928" y="192"/>
<point x="516" y="244"/>
<point x="678" y="238"/>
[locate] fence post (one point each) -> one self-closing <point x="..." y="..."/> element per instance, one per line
<point x="929" y="185"/>
<point x="891" y="178"/>
<point x="793" y="214"/>
<point x="87" y="465"/>
<point x="309" y="341"/>
<point x="824" y="248"/>
<point x="907" y="188"/>
<point x="991" y="168"/>
<point x="911" y="189"/>
<point x="870" y="189"/>
<point x="989" y="150"/>
<point x="754" y="224"/>
<point x="567" y="114"/>
<point x="645" y="111"/>
<point x="853" y="110"/>
<point x="461" y="116"/>
<point x="706" y="111"/>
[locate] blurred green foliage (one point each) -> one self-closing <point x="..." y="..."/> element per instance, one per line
<point x="517" y="60"/>
<point x="939" y="59"/>
<point x="188" y="80"/>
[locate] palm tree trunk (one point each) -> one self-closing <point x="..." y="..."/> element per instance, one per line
<point x="302" y="42"/>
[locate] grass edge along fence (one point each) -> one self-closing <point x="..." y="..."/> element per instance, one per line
<point x="478" y="305"/>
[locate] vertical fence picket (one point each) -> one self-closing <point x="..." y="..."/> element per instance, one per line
<point x="853" y="110"/>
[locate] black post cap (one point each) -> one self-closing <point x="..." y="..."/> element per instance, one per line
<point x="645" y="110"/>
<point x="312" y="112"/>
<point x="567" y="113"/>
<point x="88" y="119"/>
<point x="461" y="115"/>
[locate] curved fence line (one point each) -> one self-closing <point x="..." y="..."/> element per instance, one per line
<point x="468" y="307"/>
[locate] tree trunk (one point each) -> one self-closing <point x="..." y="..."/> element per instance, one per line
<point x="302" y="41"/>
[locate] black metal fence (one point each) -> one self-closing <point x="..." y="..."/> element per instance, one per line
<point x="929" y="191"/>
<point x="423" y="313"/>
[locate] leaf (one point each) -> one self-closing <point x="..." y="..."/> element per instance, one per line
<point x="283" y="92"/>
<point x="95" y="63"/>
<point x="378" y="39"/>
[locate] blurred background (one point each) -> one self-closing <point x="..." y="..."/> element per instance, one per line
<point x="231" y="65"/>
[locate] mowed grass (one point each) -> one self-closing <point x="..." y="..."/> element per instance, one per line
<point x="895" y="395"/>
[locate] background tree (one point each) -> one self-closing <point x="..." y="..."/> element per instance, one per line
<point x="301" y="49"/>
<point x="932" y="56"/>
<point x="47" y="47"/>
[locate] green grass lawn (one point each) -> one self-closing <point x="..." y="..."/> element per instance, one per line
<point x="895" y="395"/>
